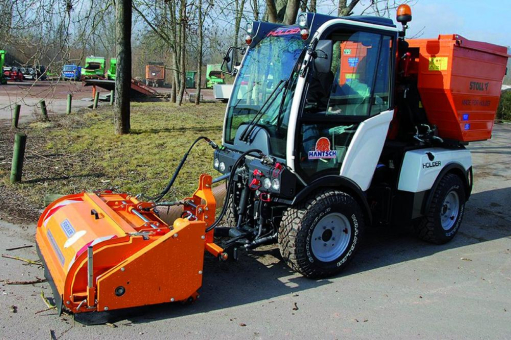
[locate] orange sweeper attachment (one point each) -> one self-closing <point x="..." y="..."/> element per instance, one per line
<point x="106" y="251"/>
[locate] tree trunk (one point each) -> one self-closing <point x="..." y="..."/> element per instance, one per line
<point x="255" y="7"/>
<point x="312" y="6"/>
<point x="240" y="5"/>
<point x="182" y="43"/>
<point x="346" y="9"/>
<point x="303" y="6"/>
<point x="123" y="71"/>
<point x="271" y="11"/>
<point x="199" y="57"/>
<point x="291" y="11"/>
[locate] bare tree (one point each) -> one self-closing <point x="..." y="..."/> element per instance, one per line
<point x="381" y="8"/>
<point x="240" y="5"/>
<point x="201" y="15"/>
<point x="183" y="20"/>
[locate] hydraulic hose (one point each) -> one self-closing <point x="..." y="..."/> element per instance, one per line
<point x="178" y="169"/>
<point x="230" y="185"/>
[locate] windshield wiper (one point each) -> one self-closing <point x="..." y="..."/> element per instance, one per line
<point x="267" y="103"/>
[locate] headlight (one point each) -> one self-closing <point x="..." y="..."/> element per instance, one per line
<point x="267" y="183"/>
<point x="275" y="184"/>
<point x="221" y="167"/>
<point x="216" y="162"/>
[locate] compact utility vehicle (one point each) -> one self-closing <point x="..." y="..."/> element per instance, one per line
<point x="334" y="125"/>
<point x="338" y="124"/>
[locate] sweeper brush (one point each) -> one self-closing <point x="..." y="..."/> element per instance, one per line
<point x="106" y="251"/>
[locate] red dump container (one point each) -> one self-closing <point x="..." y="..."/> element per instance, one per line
<point x="460" y="82"/>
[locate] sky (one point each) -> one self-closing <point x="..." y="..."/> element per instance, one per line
<point x="481" y="20"/>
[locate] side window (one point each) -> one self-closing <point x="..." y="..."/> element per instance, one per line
<point x="382" y="79"/>
<point x="353" y="82"/>
<point x="359" y="81"/>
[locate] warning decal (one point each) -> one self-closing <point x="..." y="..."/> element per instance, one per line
<point x="438" y="63"/>
<point x="322" y="150"/>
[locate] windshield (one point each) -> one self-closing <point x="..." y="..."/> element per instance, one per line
<point x="265" y="68"/>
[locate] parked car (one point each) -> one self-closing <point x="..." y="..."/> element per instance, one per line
<point x="13" y="73"/>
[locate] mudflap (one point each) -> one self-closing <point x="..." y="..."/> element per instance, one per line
<point x="57" y="298"/>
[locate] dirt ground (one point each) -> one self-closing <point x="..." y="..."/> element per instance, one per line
<point x="396" y="287"/>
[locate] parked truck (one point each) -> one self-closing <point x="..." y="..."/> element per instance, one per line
<point x="94" y="68"/>
<point x="214" y="75"/>
<point x="112" y="69"/>
<point x="71" y="72"/>
<point x="155" y="74"/>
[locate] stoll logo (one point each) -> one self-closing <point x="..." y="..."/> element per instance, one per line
<point x="428" y="165"/>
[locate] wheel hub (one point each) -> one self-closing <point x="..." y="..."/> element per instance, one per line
<point x="327" y="235"/>
<point x="331" y="237"/>
<point x="450" y="210"/>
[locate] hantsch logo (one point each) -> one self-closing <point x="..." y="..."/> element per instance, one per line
<point x="322" y="150"/>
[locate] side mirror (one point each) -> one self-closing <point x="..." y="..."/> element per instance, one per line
<point x="323" y="56"/>
<point x="230" y="61"/>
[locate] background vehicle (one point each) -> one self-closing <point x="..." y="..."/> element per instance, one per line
<point x="12" y="73"/>
<point x="112" y="69"/>
<point x="71" y="72"/>
<point x="94" y="68"/>
<point x="214" y="75"/>
<point x="3" y="80"/>
<point x="30" y="73"/>
<point x="155" y="74"/>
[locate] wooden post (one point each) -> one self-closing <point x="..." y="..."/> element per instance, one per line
<point x="44" y="111"/>
<point x="16" y="116"/>
<point x="96" y="99"/>
<point x="112" y="97"/>
<point x="20" y="141"/>
<point x="69" y="101"/>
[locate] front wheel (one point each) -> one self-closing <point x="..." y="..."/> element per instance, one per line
<point x="319" y="238"/>
<point x="443" y="219"/>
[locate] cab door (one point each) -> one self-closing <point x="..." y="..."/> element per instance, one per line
<point x="346" y="112"/>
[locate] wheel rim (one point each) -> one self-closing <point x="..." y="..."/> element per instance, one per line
<point x="331" y="237"/>
<point x="449" y="210"/>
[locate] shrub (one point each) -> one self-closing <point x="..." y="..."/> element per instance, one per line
<point x="504" y="109"/>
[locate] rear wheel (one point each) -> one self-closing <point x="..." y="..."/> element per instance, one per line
<point x="318" y="238"/>
<point x="445" y="213"/>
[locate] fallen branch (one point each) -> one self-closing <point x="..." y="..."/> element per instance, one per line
<point x="45" y="310"/>
<point x="16" y="248"/>
<point x="7" y="282"/>
<point x="37" y="262"/>
<point x="46" y="302"/>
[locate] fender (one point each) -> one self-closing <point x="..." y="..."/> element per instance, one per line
<point x="465" y="175"/>
<point x="337" y="182"/>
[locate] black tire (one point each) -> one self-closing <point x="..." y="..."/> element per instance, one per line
<point x="300" y="241"/>
<point x="231" y="217"/>
<point x="444" y="216"/>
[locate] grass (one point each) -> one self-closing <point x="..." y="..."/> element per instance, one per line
<point x="80" y="152"/>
